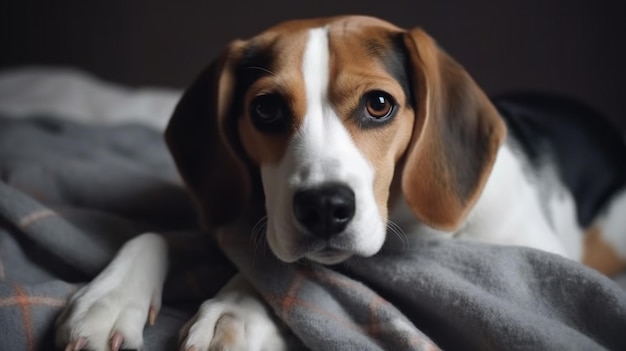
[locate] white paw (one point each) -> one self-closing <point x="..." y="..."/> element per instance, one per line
<point x="235" y="320"/>
<point x="110" y="312"/>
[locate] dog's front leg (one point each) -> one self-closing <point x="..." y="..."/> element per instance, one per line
<point x="110" y="312"/>
<point x="235" y="319"/>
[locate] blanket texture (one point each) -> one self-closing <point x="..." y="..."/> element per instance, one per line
<point x="70" y="195"/>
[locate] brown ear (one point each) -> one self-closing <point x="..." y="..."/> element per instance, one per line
<point x="455" y="140"/>
<point x="200" y="136"/>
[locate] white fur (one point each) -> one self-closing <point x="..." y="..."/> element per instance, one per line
<point x="321" y="151"/>
<point x="509" y="212"/>
<point x="119" y="299"/>
<point x="237" y="311"/>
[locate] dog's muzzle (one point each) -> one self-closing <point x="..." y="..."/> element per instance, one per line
<point x="326" y="210"/>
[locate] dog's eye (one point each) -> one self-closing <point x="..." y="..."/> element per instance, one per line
<point x="267" y="109"/>
<point x="378" y="105"/>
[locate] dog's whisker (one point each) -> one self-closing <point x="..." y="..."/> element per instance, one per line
<point x="258" y="235"/>
<point x="399" y="232"/>
<point x="394" y="226"/>
<point x="258" y="229"/>
<point x="402" y="236"/>
<point x="263" y="241"/>
<point x="348" y="262"/>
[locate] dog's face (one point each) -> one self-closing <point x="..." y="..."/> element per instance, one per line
<point x="335" y="115"/>
<point x="326" y="122"/>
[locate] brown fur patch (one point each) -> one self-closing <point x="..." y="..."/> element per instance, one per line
<point x="285" y="79"/>
<point x="455" y="141"/>
<point x="599" y="255"/>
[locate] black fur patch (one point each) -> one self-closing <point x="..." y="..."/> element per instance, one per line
<point x="588" y="152"/>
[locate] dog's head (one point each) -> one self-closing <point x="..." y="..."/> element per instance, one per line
<point x="337" y="117"/>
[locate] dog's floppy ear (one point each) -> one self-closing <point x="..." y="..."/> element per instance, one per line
<point x="200" y="136"/>
<point x="455" y="140"/>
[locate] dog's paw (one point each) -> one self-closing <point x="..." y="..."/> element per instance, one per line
<point x="234" y="320"/>
<point x="110" y="312"/>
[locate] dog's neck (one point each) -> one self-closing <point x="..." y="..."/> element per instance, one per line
<point x="496" y="218"/>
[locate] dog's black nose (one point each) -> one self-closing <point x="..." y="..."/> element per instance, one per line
<point x="324" y="211"/>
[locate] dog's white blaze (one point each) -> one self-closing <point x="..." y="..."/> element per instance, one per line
<point x="321" y="151"/>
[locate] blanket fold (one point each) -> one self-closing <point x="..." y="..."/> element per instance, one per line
<point x="71" y="194"/>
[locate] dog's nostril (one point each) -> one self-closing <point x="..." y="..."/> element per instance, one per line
<point x="342" y="213"/>
<point x="326" y="210"/>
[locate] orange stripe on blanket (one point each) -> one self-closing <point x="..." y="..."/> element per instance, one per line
<point x="294" y="301"/>
<point x="373" y="328"/>
<point x="415" y="340"/>
<point x="375" y="325"/>
<point x="287" y="302"/>
<point x="32" y="301"/>
<point x="35" y="216"/>
<point x="336" y="279"/>
<point x="27" y="320"/>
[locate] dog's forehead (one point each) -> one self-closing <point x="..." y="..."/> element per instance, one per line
<point x="363" y="52"/>
<point x="358" y="54"/>
<point x="286" y="41"/>
<point x="351" y="25"/>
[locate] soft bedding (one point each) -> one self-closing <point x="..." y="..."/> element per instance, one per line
<point x="73" y="189"/>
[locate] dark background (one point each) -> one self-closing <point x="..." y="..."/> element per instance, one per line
<point x="572" y="47"/>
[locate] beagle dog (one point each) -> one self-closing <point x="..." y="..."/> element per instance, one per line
<point x="335" y="128"/>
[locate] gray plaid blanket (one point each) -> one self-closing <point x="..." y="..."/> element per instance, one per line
<point x="70" y="195"/>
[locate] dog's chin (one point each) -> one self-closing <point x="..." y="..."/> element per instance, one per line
<point x="328" y="257"/>
<point x="292" y="248"/>
<point x="316" y="251"/>
<point x="323" y="256"/>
